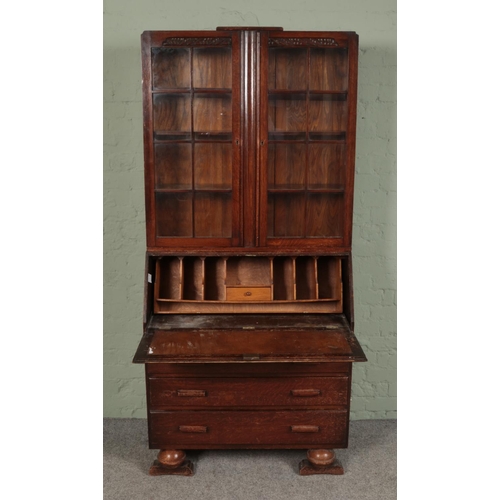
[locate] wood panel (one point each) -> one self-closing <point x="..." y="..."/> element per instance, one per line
<point x="287" y="69"/>
<point x="212" y="166"/>
<point x="212" y="67"/>
<point x="170" y="68"/>
<point x="286" y="166"/>
<point x="325" y="215"/>
<point x="193" y="278"/>
<point x="171" y="112"/>
<point x="168" y="282"/>
<point x="247" y="370"/>
<point x="215" y="278"/>
<point x="212" y="113"/>
<point x="174" y="214"/>
<point x="328" y="69"/>
<point x="212" y="214"/>
<point x="246" y="427"/>
<point x="327" y="163"/>
<point x="241" y="345"/>
<point x="173" y="166"/>
<point x="248" y="271"/>
<point x="241" y="392"/>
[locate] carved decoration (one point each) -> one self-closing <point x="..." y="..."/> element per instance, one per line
<point x="294" y="42"/>
<point x="183" y="41"/>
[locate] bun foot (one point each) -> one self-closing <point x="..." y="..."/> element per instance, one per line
<point x="320" y="462"/>
<point x="171" y="462"/>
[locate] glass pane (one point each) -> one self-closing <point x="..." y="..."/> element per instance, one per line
<point x="212" y="68"/>
<point x="286" y="166"/>
<point x="170" y="68"/>
<point x="287" y="113"/>
<point x="172" y="115"/>
<point x="327" y="113"/>
<point x="174" y="214"/>
<point x="212" y="166"/>
<point x="286" y="214"/>
<point x="173" y="166"/>
<point x="329" y="69"/>
<point x="287" y="69"/>
<point x="212" y="113"/>
<point x="325" y="215"/>
<point x="326" y="166"/>
<point x="212" y="215"/>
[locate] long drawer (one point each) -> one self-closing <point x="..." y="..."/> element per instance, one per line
<point x="191" y="429"/>
<point x="165" y="393"/>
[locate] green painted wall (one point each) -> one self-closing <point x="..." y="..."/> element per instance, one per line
<point x="374" y="237"/>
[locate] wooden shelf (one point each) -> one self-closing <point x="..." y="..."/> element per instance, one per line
<point x="164" y="136"/>
<point x="310" y="189"/>
<point x="286" y="93"/>
<point x="210" y="284"/>
<point x="317" y="137"/>
<point x="195" y="190"/>
<point x="190" y="90"/>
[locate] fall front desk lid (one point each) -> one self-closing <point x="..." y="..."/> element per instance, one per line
<point x="248" y="338"/>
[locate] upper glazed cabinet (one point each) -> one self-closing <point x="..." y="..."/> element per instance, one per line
<point x="249" y="138"/>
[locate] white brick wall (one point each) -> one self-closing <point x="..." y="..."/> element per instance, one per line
<point x="374" y="235"/>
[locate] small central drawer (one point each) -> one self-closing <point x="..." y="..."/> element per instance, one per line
<point x="248" y="293"/>
<point x="169" y="392"/>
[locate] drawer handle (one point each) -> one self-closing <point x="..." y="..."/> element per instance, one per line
<point x="191" y="393"/>
<point x="193" y="428"/>
<point x="247" y="294"/>
<point x="305" y="428"/>
<point x="305" y="393"/>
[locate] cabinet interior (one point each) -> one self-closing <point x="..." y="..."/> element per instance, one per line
<point x="203" y="284"/>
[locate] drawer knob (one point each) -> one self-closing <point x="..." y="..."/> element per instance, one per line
<point x="305" y="393"/>
<point x="191" y="393"/>
<point x="193" y="428"/>
<point x="305" y="428"/>
<point x="248" y="294"/>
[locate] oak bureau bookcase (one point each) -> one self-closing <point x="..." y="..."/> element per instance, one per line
<point x="249" y="146"/>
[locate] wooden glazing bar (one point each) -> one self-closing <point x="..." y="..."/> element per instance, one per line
<point x="271" y="274"/>
<point x="181" y="277"/>
<point x="338" y="279"/>
<point x="316" y="287"/>
<point x="294" y="277"/>
<point x="193" y="207"/>
<point x="202" y="278"/>
<point x="306" y="182"/>
<point x="224" y="274"/>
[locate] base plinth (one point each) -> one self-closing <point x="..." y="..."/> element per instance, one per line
<point x="185" y="469"/>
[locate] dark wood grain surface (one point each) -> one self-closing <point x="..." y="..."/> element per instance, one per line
<point x="226" y="427"/>
<point x="291" y="392"/>
<point x="249" y="150"/>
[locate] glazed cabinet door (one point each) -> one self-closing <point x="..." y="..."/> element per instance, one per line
<point x="307" y="138"/>
<point x="191" y="94"/>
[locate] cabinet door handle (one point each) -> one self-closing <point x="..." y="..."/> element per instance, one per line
<point x="305" y="428"/>
<point x="191" y="393"/>
<point x="193" y="428"/>
<point x="305" y="393"/>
